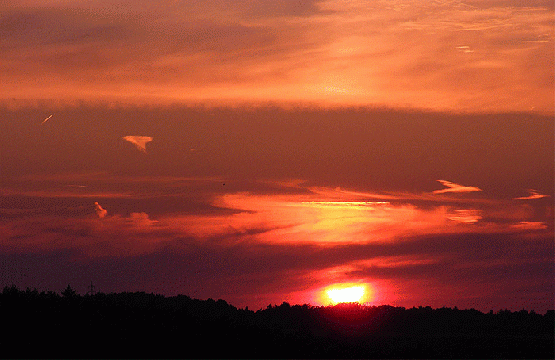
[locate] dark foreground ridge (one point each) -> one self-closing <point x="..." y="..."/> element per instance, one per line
<point x="141" y="325"/>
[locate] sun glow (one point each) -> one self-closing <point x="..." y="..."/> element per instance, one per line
<point x="348" y="294"/>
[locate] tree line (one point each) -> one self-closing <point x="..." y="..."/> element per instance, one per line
<point x="144" y="325"/>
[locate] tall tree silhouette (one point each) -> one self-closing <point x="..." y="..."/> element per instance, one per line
<point x="69" y="292"/>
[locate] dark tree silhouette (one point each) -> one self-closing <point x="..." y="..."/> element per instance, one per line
<point x="141" y="325"/>
<point x="69" y="292"/>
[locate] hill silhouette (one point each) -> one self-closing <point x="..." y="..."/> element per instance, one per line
<point x="141" y="325"/>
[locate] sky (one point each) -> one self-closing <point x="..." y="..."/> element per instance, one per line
<point x="262" y="152"/>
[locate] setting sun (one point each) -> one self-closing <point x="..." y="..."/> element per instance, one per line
<point x="349" y="294"/>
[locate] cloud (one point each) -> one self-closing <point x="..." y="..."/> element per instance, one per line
<point x="141" y="220"/>
<point x="534" y="194"/>
<point x="529" y="225"/>
<point x="138" y="141"/>
<point x="468" y="216"/>
<point x="452" y="187"/>
<point x="45" y="120"/>
<point x="257" y="248"/>
<point x="313" y="219"/>
<point x="327" y="52"/>
<point x="99" y="210"/>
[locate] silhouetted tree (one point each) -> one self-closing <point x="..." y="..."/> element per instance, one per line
<point x="69" y="293"/>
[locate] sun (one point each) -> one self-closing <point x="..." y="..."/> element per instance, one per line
<point x="346" y="294"/>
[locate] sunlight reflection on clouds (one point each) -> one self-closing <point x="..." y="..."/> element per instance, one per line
<point x="320" y="217"/>
<point x="296" y="219"/>
<point x="293" y="246"/>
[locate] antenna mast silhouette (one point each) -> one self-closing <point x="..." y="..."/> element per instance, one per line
<point x="91" y="291"/>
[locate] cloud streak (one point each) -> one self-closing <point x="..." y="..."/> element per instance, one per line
<point x="455" y="188"/>
<point x="533" y="195"/>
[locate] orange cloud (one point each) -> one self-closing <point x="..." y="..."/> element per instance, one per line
<point x="307" y="219"/>
<point x="466" y="215"/>
<point x="255" y="248"/>
<point x="321" y="217"/>
<point x="533" y="195"/>
<point x="454" y="56"/>
<point x="138" y="141"/>
<point x="456" y="188"/>
<point x="99" y="210"/>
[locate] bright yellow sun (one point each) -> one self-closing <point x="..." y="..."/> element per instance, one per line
<point x="348" y="294"/>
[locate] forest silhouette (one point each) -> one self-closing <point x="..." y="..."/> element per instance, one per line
<point x="141" y="325"/>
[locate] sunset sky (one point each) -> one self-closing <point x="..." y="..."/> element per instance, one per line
<point x="267" y="151"/>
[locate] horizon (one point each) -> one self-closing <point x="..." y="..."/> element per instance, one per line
<point x="274" y="305"/>
<point x="264" y="152"/>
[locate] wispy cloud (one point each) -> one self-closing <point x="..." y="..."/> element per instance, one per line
<point x="141" y="220"/>
<point x="340" y="194"/>
<point x="327" y="52"/>
<point x="138" y="141"/>
<point x="533" y="195"/>
<point x="101" y="212"/>
<point x="456" y="188"/>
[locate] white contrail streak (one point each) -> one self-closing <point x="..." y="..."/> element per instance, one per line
<point x="45" y="120"/>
